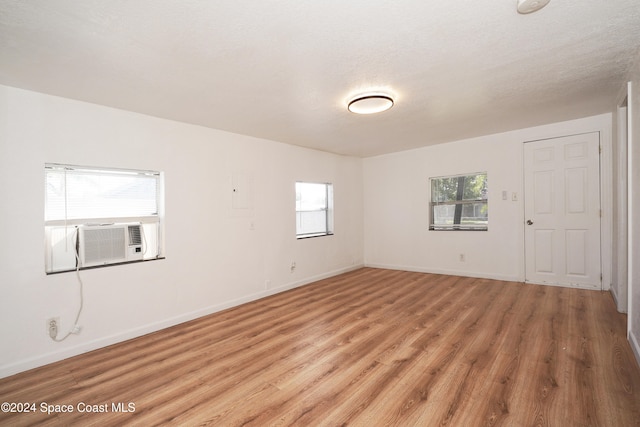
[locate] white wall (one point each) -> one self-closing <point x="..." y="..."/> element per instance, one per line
<point x="396" y="204"/>
<point x="634" y="201"/>
<point x="216" y="256"/>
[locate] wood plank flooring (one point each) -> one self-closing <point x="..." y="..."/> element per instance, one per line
<point x="371" y="347"/>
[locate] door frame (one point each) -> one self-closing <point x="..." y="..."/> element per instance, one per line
<point x="630" y="226"/>
<point x="620" y="261"/>
<point x="605" y="200"/>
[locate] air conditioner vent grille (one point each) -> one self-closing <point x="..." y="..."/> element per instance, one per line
<point x="103" y="245"/>
<point x="135" y="236"/>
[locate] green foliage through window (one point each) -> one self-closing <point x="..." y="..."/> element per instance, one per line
<point x="459" y="202"/>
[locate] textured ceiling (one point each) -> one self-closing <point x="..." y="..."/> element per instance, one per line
<point x="284" y="69"/>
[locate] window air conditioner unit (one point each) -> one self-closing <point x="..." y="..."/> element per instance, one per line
<point x="102" y="244"/>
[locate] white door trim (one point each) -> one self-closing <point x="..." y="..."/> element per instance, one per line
<point x="551" y="263"/>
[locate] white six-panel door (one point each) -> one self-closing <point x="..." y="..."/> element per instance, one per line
<point x="562" y="211"/>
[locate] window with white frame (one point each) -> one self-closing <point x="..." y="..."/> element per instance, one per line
<point x="314" y="209"/>
<point x="79" y="196"/>
<point x="459" y="202"/>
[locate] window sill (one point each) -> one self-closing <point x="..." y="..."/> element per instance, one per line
<point x="456" y="229"/>
<point x="310" y="236"/>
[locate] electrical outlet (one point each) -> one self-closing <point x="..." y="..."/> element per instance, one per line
<point x="462" y="258"/>
<point x="293" y="266"/>
<point x="52" y="326"/>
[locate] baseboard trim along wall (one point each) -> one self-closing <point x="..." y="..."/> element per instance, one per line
<point x="614" y="294"/>
<point x="446" y="272"/>
<point x="56" y="356"/>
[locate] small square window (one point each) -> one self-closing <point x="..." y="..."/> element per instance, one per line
<point x="459" y="203"/>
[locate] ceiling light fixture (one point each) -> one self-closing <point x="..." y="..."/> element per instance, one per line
<point x="529" y="6"/>
<point x="370" y="103"/>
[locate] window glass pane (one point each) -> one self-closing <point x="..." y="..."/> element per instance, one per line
<point x="443" y="214"/>
<point x="311" y="222"/>
<point x="474" y="215"/>
<point x="313" y="209"/>
<point x="86" y="194"/>
<point x="444" y="189"/>
<point x="310" y="196"/>
<point x="459" y="202"/>
<point x="475" y="187"/>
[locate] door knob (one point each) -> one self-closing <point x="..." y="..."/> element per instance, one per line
<point x="529" y="222"/>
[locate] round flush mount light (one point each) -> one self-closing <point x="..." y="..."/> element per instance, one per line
<point x="370" y="103"/>
<point x="529" y="6"/>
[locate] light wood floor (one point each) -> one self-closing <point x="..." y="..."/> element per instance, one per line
<point x="368" y="348"/>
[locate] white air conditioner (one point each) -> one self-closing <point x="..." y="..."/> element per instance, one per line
<point x="102" y="244"/>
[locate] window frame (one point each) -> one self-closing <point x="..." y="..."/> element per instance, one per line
<point x="327" y="209"/>
<point x="459" y="204"/>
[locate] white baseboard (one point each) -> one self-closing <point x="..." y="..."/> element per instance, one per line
<point x="614" y="294"/>
<point x="446" y="272"/>
<point x="45" y="359"/>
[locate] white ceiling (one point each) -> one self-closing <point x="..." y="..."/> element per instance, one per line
<point x="284" y="69"/>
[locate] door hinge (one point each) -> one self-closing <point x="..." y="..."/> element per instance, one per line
<point x="600" y="149"/>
